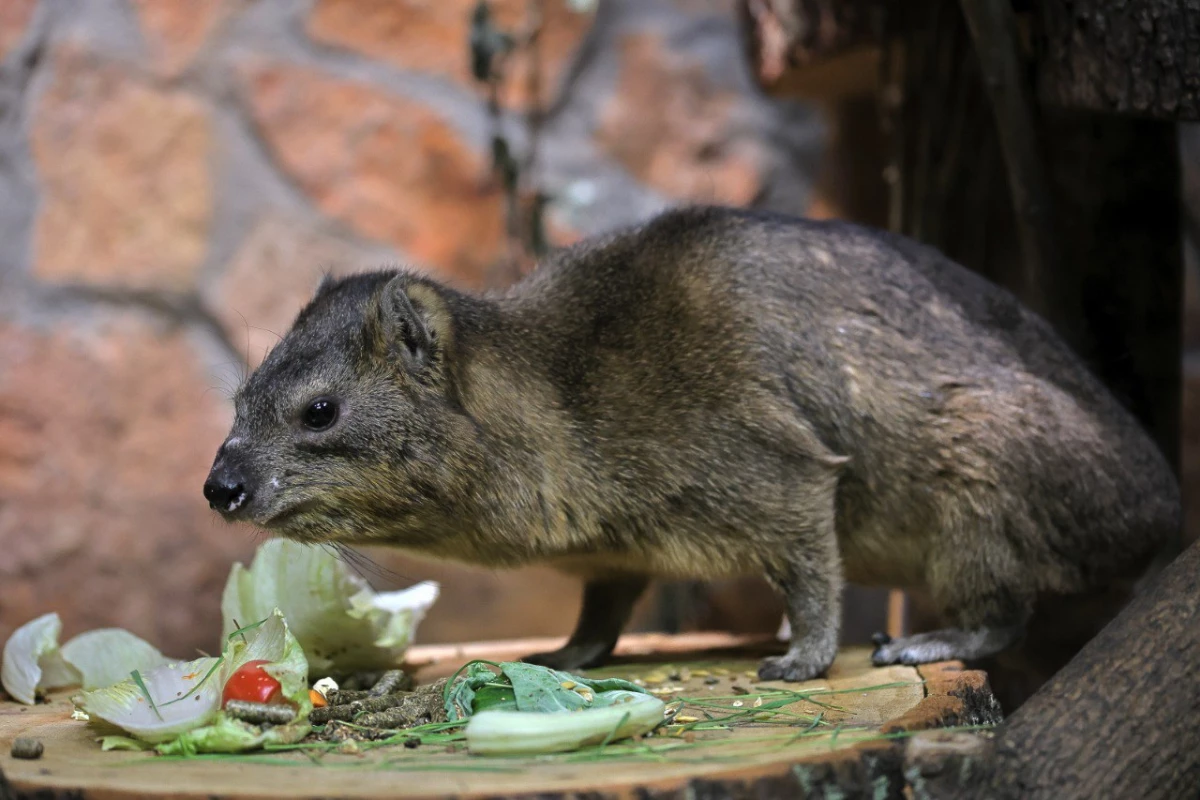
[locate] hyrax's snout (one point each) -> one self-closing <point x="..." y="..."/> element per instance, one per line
<point x="228" y="487"/>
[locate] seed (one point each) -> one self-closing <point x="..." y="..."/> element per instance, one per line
<point x="700" y="673"/>
<point x="585" y="694"/>
<point x="737" y="704"/>
<point x="260" y="713"/>
<point x="685" y="674"/>
<point x="751" y="674"/>
<point x="348" y="747"/>
<point x="758" y="703"/>
<point x="568" y="684"/>
<point x="656" y="677"/>
<point x="23" y="747"/>
<point x="639" y="682"/>
<point x="686" y="718"/>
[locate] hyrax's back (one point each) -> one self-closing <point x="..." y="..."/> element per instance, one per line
<point x="985" y="464"/>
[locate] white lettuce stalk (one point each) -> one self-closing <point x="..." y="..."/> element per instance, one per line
<point x="177" y="706"/>
<point x="340" y="622"/>
<point x="34" y="662"/>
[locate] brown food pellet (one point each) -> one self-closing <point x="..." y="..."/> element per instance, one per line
<point x="382" y="703"/>
<point x="260" y="713"/>
<point x="392" y="681"/>
<point x="23" y="747"/>
<point x="342" y="697"/>
<point x="320" y="716"/>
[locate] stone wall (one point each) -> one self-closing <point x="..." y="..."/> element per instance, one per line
<point x="175" y="176"/>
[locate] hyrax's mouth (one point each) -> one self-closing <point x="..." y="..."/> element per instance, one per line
<point x="289" y="514"/>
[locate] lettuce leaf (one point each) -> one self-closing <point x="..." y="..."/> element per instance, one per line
<point x="32" y="660"/>
<point x="340" y="622"/>
<point x="106" y="656"/>
<point x="177" y="698"/>
<point x="177" y="706"/>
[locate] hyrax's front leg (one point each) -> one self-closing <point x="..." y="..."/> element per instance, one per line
<point x="811" y="582"/>
<point x="607" y="606"/>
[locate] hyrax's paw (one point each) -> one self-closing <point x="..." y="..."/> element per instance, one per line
<point x="571" y="657"/>
<point x="791" y="667"/>
<point x="905" y="650"/>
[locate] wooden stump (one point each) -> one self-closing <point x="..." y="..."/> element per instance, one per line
<point x="865" y="714"/>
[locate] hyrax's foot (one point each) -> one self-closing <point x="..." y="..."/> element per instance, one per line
<point x="944" y="645"/>
<point x="573" y="656"/>
<point x="792" y="667"/>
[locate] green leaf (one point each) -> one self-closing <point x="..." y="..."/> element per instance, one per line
<point x="534" y="688"/>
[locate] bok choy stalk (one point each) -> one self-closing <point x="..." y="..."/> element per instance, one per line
<point x="528" y="709"/>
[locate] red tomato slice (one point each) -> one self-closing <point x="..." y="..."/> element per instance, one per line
<point x="250" y="682"/>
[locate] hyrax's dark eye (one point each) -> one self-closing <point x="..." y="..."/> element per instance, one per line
<point x="320" y="414"/>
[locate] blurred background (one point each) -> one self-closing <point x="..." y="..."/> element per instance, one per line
<point x="175" y="177"/>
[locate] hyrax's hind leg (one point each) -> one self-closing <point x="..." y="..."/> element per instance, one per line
<point x="607" y="606"/>
<point x="810" y="578"/>
<point x="984" y="591"/>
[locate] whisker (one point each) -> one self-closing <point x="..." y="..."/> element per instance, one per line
<point x="365" y="562"/>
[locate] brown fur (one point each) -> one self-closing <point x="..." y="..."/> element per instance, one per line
<point x="714" y="393"/>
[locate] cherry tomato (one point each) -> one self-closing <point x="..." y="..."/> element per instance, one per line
<point x="251" y="682"/>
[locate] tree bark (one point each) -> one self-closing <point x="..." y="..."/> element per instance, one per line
<point x="1138" y="57"/>
<point x="1121" y="719"/>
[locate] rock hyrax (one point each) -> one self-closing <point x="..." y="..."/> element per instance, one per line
<point x="713" y="393"/>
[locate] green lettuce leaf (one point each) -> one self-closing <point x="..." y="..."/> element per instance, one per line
<point x="273" y="642"/>
<point x="340" y="622"/>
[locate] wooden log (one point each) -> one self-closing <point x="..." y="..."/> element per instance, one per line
<point x="1118" y="721"/>
<point x="861" y="702"/>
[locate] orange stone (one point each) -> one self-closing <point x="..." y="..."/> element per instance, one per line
<point x="107" y="429"/>
<point x="389" y="167"/>
<point x="273" y="275"/>
<point x="431" y="36"/>
<point x="673" y="129"/>
<point x="176" y="31"/>
<point x="14" y="19"/>
<point x="124" y="168"/>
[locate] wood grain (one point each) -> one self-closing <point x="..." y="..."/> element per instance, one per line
<point x="757" y="760"/>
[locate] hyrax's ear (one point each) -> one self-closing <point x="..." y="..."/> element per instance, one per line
<point x="412" y="323"/>
<point x="327" y="280"/>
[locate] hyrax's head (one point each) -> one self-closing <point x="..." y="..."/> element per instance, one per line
<point x="345" y="430"/>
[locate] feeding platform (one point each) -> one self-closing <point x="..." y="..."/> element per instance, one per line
<point x="732" y="736"/>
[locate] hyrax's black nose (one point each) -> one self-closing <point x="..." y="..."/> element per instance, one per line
<point x="225" y="493"/>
